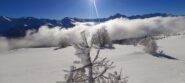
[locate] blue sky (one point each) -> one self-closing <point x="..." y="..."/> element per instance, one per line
<point x="57" y="9"/>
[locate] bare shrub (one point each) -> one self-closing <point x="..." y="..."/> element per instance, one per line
<point x="101" y="39"/>
<point x="92" y="70"/>
<point x="64" y="42"/>
<point x="150" y="45"/>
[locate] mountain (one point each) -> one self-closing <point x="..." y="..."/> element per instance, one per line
<point x="150" y="15"/>
<point x="17" y="27"/>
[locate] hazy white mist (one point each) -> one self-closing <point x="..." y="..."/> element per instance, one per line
<point x="117" y="28"/>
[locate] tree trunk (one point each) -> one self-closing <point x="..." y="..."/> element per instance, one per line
<point x="90" y="79"/>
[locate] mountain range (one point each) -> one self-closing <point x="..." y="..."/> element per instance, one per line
<point x="17" y="27"/>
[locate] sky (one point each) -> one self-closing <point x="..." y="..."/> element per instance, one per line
<point x="58" y="9"/>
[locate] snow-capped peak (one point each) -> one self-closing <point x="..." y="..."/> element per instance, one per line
<point x="49" y="24"/>
<point x="25" y="25"/>
<point x="6" y="18"/>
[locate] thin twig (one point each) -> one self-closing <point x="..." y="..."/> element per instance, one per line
<point x="96" y="55"/>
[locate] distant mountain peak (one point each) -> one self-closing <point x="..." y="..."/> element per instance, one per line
<point x="118" y="15"/>
<point x="28" y="18"/>
<point x="6" y="18"/>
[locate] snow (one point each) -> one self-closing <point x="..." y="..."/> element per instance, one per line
<point x="46" y="65"/>
<point x="25" y="25"/>
<point x="49" y="24"/>
<point x="6" y="18"/>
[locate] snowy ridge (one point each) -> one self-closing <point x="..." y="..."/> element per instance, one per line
<point x="6" y="18"/>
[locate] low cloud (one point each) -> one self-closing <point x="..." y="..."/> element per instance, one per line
<point x="117" y="28"/>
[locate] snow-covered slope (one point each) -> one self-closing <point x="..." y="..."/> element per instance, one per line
<point x="45" y="65"/>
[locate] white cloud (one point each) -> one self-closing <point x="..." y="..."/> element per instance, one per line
<point x="118" y="29"/>
<point x="124" y="28"/>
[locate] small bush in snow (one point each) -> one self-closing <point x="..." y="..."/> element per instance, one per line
<point x="101" y="39"/>
<point x="150" y="45"/>
<point x="64" y="42"/>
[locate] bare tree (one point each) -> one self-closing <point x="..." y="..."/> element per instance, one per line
<point x="92" y="70"/>
<point x="150" y="45"/>
<point x="101" y="39"/>
<point x="64" y="42"/>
